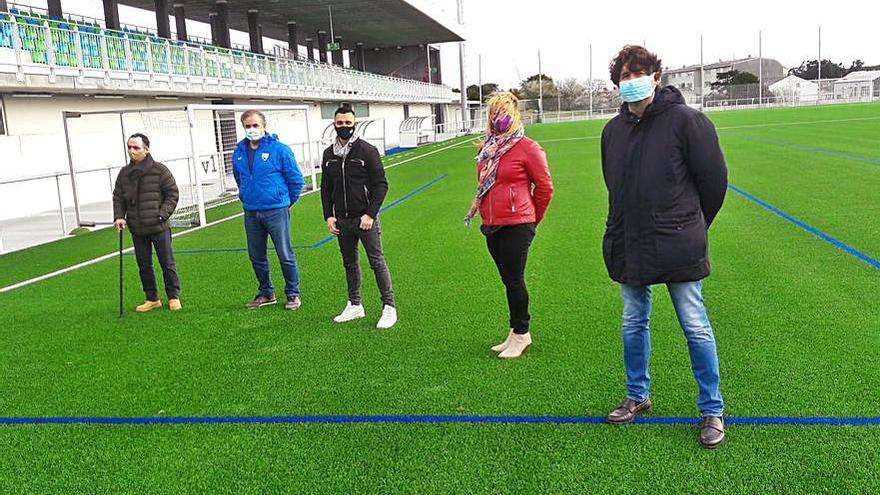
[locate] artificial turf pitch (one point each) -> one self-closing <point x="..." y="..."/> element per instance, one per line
<point x="797" y="329"/>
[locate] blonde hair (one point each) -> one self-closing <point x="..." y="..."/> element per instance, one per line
<point x="501" y="103"/>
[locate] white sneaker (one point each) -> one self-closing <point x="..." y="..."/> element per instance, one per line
<point x="389" y="317"/>
<point x="350" y="313"/>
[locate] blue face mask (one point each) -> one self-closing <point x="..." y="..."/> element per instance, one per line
<point x="253" y="133"/>
<point x="637" y="89"/>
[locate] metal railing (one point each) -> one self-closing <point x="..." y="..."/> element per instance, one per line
<point x="48" y="47"/>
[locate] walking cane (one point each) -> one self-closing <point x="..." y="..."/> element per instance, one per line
<point x="121" y="271"/>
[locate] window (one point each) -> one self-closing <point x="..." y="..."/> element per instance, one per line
<point x="361" y="110"/>
<point x="405" y="111"/>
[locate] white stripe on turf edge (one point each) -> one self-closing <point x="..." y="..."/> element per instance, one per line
<point x="773" y="124"/>
<point x="194" y="229"/>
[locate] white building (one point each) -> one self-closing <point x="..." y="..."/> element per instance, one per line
<point x="688" y="79"/>
<point x="794" y="88"/>
<point x="859" y="85"/>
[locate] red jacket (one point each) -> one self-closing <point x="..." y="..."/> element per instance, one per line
<point x="512" y="200"/>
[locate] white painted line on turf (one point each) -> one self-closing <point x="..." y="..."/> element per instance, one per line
<point x="111" y="255"/>
<point x="806" y="122"/>
<point x="568" y="139"/>
<point x="774" y="124"/>
<point x="422" y="156"/>
<point x="108" y="256"/>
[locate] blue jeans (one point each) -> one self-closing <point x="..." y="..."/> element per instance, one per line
<point x="688" y="301"/>
<point x="259" y="225"/>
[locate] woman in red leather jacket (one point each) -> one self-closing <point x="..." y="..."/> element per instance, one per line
<point x="512" y="197"/>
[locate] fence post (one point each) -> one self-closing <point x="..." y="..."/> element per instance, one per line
<point x="105" y="57"/>
<point x="169" y="63"/>
<point x="16" y="44"/>
<point x="129" y="59"/>
<point x="50" y="52"/>
<point x="80" y="61"/>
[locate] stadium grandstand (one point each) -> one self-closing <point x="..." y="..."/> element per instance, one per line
<point x="57" y="65"/>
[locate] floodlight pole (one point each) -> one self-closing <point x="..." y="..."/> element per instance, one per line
<point x="540" y="90"/>
<point x="460" y="9"/>
<point x="819" y="64"/>
<point x="590" y="86"/>
<point x="760" y="70"/>
<point x="480" y="84"/>
<point x="702" y="78"/>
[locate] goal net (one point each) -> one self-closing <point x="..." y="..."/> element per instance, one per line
<point x="195" y="142"/>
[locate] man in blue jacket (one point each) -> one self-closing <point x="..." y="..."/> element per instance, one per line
<point x="269" y="182"/>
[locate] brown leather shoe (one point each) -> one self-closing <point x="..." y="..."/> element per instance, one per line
<point x="628" y="410"/>
<point x="712" y="432"/>
<point x="260" y="301"/>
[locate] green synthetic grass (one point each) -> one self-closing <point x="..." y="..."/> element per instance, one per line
<point x="796" y="329"/>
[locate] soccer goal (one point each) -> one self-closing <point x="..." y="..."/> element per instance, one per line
<point x="195" y="142"/>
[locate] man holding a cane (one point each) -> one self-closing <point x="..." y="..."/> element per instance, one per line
<point x="144" y="198"/>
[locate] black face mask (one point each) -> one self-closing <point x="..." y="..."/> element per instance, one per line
<point x="345" y="132"/>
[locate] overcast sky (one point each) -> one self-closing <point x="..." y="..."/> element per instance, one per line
<point x="508" y="34"/>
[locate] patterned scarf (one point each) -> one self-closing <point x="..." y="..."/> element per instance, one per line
<point x="489" y="157"/>
<point x="341" y="150"/>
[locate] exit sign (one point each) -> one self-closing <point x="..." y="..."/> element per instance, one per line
<point x="332" y="47"/>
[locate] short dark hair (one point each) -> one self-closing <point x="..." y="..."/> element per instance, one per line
<point x="344" y="109"/>
<point x="251" y="113"/>
<point x="144" y="139"/>
<point x="637" y="58"/>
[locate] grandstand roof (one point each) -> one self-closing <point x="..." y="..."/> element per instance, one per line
<point x="376" y="23"/>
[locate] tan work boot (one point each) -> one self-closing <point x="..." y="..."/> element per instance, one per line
<point x="500" y="347"/>
<point x="174" y="304"/>
<point x="517" y="345"/>
<point x="148" y="306"/>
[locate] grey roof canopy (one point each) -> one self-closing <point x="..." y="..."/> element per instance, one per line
<point x="376" y="23"/>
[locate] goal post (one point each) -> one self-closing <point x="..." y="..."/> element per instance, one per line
<point x="195" y="142"/>
<point x="214" y="133"/>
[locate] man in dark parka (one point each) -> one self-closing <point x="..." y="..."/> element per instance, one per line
<point x="666" y="180"/>
<point x="144" y="198"/>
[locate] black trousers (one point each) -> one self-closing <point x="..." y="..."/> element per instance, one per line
<point x="349" y="235"/>
<point x="509" y="247"/>
<point x="143" y="251"/>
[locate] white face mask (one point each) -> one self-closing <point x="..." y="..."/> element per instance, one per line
<point x="254" y="134"/>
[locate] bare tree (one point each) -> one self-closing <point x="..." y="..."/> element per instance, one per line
<point x="572" y="94"/>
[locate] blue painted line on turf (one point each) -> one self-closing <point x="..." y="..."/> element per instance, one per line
<point x="437" y="419"/>
<point x="322" y="241"/>
<point x="875" y="161"/>
<point x="818" y="233"/>
<point x="394" y="151"/>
